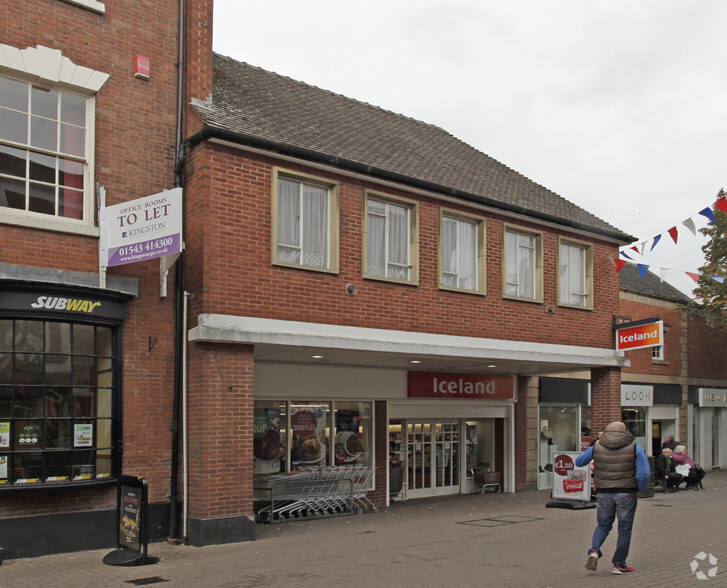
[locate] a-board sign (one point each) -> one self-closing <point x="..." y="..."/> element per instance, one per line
<point x="131" y="509"/>
<point x="570" y="482"/>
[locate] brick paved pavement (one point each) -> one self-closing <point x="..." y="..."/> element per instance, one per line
<point x="475" y="540"/>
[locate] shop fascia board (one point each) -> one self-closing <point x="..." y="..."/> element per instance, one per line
<point x="218" y="328"/>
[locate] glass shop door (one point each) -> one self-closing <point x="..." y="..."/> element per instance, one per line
<point x="433" y="458"/>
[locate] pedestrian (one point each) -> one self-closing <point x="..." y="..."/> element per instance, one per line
<point x="669" y="442"/>
<point x="621" y="470"/>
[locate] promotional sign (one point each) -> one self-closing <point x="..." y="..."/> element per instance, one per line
<point x="716" y="397"/>
<point x="469" y="386"/>
<point x="571" y="482"/>
<point x="131" y="510"/>
<point x="637" y="337"/>
<point x="141" y="229"/>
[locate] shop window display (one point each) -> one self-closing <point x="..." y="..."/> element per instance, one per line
<point x="634" y="418"/>
<point x="291" y="436"/>
<point x="56" y="403"/>
<point x="558" y="432"/>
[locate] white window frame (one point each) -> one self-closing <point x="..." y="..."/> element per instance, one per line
<point x="330" y="263"/>
<point x="47" y="68"/>
<point x="565" y="287"/>
<point x="479" y="285"/>
<point x="411" y="238"/>
<point x="536" y="257"/>
<point x="657" y="353"/>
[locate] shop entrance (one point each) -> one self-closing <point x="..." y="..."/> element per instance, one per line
<point x="432" y="458"/>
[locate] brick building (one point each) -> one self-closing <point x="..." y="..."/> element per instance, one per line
<point x="86" y="368"/>
<point x="677" y="388"/>
<point x="358" y="288"/>
<point x="354" y="272"/>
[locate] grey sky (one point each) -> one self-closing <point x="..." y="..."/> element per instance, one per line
<point x="615" y="105"/>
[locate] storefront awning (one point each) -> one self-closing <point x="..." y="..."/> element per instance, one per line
<point x="297" y="342"/>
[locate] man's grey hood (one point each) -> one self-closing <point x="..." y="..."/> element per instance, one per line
<point x="615" y="439"/>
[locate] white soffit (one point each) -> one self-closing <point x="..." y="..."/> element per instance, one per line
<point x="252" y="330"/>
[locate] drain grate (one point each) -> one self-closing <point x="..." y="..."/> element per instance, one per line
<point x="147" y="581"/>
<point x="500" y="521"/>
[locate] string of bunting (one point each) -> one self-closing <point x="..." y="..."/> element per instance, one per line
<point x="673" y="232"/>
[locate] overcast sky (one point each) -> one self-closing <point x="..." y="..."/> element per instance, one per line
<point x="616" y="105"/>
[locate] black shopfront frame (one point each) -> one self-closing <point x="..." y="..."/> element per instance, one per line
<point x="50" y="303"/>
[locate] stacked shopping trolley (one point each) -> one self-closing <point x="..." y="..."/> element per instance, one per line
<point x="317" y="493"/>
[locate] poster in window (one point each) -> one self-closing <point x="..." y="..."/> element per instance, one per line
<point x="82" y="435"/>
<point x="308" y="425"/>
<point x="267" y="441"/>
<point x="3" y="468"/>
<point x="4" y="434"/>
<point x="349" y="445"/>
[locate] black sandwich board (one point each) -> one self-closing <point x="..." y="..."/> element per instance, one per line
<point x="131" y="510"/>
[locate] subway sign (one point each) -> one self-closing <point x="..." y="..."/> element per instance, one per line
<point x="68" y="303"/>
<point x="640" y="336"/>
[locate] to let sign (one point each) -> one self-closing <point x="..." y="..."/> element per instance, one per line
<point x="650" y="335"/>
<point x="142" y="229"/>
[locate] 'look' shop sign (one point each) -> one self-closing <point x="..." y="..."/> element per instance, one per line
<point x="470" y="386"/>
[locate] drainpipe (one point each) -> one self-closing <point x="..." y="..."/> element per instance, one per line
<point x="180" y="301"/>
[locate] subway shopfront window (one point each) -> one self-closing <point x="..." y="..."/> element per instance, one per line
<point x="58" y="401"/>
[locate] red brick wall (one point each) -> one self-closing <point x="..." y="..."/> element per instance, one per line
<point x="707" y="351"/>
<point x="134" y="157"/>
<point x="605" y="397"/>
<point x="220" y="430"/>
<point x="641" y="361"/>
<point x="381" y="435"/>
<point x="521" y="427"/>
<point x="229" y="232"/>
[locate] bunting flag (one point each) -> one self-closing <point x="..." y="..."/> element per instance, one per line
<point x="707" y="212"/>
<point x="689" y="223"/>
<point x="620" y="263"/>
<point x="674" y="234"/>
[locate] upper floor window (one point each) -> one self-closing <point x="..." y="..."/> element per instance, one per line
<point x="462" y="253"/>
<point x="305" y="213"/>
<point x="657" y="353"/>
<point x="575" y="278"/>
<point x="523" y="265"/>
<point x="46" y="140"/>
<point x="43" y="136"/>
<point x="390" y="239"/>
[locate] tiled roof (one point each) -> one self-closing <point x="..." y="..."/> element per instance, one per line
<point x="649" y="285"/>
<point x="252" y="103"/>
